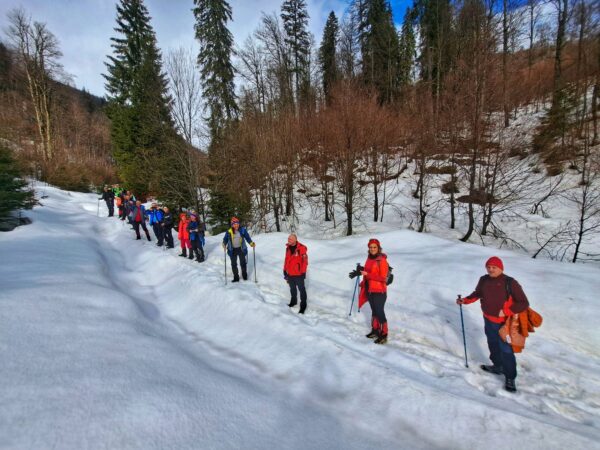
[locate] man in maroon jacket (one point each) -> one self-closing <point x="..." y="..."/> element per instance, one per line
<point x="501" y="297"/>
<point x="294" y="270"/>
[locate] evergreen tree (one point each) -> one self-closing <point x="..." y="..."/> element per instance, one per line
<point x="138" y="100"/>
<point x="381" y="50"/>
<point x="214" y="60"/>
<point x="295" y="22"/>
<point x="327" y="54"/>
<point x="407" y="49"/>
<point x="435" y="29"/>
<point x="217" y="77"/>
<point x="13" y="196"/>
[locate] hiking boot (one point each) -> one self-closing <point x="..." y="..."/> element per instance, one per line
<point x="381" y="340"/>
<point x="509" y="385"/>
<point x="235" y="280"/>
<point x="191" y="255"/>
<point x="497" y="370"/>
<point x="183" y="253"/>
<point x="292" y="303"/>
<point x="245" y="276"/>
<point x="373" y="334"/>
<point x="302" y="309"/>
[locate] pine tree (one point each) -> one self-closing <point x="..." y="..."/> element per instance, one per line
<point x="141" y="125"/>
<point x="407" y="49"/>
<point x="295" y="22"/>
<point x="327" y="54"/>
<point x="214" y="60"/>
<point x="217" y="77"/>
<point x="381" y="50"/>
<point x="13" y="196"/>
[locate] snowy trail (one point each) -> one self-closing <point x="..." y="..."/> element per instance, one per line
<point x="318" y="371"/>
<point x="90" y="362"/>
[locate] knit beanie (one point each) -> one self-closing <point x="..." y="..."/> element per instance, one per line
<point x="495" y="261"/>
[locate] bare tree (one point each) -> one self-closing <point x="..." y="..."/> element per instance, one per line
<point x="39" y="52"/>
<point x="185" y="86"/>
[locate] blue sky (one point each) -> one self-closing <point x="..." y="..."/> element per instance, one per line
<point x="84" y="27"/>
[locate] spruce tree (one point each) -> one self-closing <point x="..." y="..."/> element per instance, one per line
<point x="138" y="99"/>
<point x="214" y="60"/>
<point x="407" y="49"/>
<point x="13" y="195"/>
<point x="381" y="50"/>
<point x="327" y="54"/>
<point x="217" y="77"/>
<point x="295" y="23"/>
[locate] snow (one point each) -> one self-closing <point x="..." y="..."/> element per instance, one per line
<point x="108" y="342"/>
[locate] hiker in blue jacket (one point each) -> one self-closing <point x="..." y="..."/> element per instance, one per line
<point x="155" y="216"/>
<point x="138" y="218"/>
<point x="196" y="238"/>
<point x="235" y="241"/>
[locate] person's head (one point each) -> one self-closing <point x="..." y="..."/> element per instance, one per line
<point x="235" y="223"/>
<point x="292" y="239"/>
<point x="154" y="206"/>
<point x="182" y="216"/>
<point x="494" y="267"/>
<point x="105" y="188"/>
<point x="374" y="247"/>
<point x="138" y="203"/>
<point x="166" y="209"/>
<point x="193" y="217"/>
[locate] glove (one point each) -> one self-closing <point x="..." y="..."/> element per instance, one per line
<point x="303" y="276"/>
<point x="353" y="274"/>
<point x="252" y="244"/>
<point x="285" y="275"/>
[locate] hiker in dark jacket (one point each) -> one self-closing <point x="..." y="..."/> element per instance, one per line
<point x="167" y="225"/>
<point x="235" y="242"/>
<point x="501" y="297"/>
<point x="294" y="271"/>
<point x="138" y="219"/>
<point x="109" y="198"/>
<point x="195" y="238"/>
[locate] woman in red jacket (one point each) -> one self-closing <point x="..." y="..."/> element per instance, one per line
<point x="184" y="236"/>
<point x="373" y="288"/>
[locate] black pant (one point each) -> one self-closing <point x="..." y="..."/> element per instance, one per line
<point x="377" y="303"/>
<point x="168" y="236"/>
<point x="501" y="353"/>
<point x="197" y="249"/>
<point x="158" y="232"/>
<point x="111" y="207"/>
<point x="297" y="284"/>
<point x="136" y="227"/>
<point x="235" y="253"/>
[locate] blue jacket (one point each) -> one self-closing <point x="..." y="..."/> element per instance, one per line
<point x="155" y="216"/>
<point x="196" y="230"/>
<point x="228" y="240"/>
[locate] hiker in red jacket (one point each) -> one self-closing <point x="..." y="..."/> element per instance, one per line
<point x="294" y="270"/>
<point x="501" y="297"/>
<point x="184" y="236"/>
<point x="373" y="288"/>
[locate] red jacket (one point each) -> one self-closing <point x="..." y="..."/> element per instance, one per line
<point x="182" y="231"/>
<point x="295" y="263"/>
<point x="376" y="278"/>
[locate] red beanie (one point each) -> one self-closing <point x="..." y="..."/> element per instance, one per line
<point x="234" y="220"/>
<point x="495" y="261"/>
<point x="374" y="241"/>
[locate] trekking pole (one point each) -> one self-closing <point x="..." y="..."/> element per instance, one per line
<point x="98" y="209"/>
<point x="254" y="256"/>
<point x="462" y="322"/>
<point x="225" y="263"/>
<point x="354" y="295"/>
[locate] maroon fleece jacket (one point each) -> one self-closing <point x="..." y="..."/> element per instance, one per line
<point x="494" y="297"/>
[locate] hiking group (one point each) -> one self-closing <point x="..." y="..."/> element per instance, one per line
<point x="508" y="319"/>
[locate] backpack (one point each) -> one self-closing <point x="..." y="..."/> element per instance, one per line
<point x="390" y="276"/>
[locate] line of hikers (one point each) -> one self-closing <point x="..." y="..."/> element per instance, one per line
<point x="507" y="316"/>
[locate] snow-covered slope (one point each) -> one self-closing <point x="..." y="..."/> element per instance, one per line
<point x="108" y="342"/>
